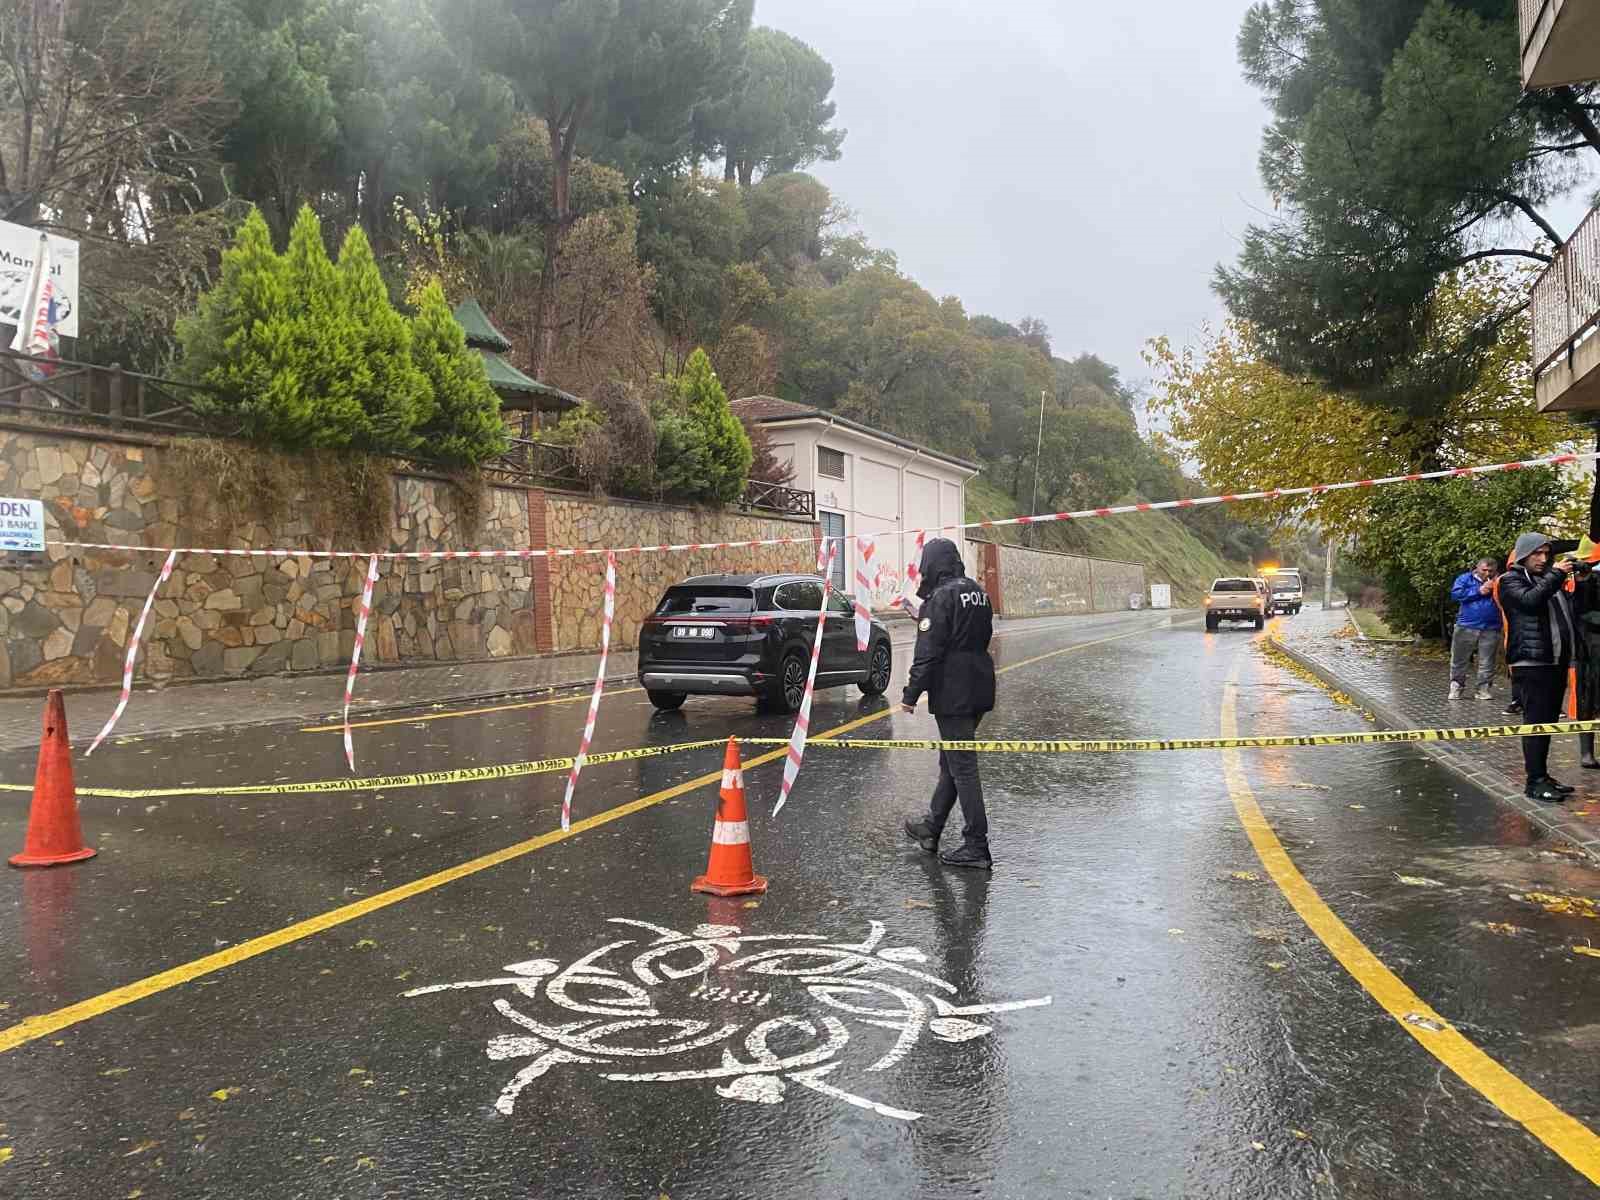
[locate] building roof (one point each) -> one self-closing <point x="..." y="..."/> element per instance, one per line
<point x="517" y="391"/>
<point x="480" y="331"/>
<point x="770" y="410"/>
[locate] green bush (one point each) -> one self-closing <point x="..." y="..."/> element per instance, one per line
<point x="464" y="425"/>
<point x="1418" y="539"/>
<point x="393" y="392"/>
<point x="702" y="451"/>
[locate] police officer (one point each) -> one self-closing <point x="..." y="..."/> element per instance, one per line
<point x="952" y="665"/>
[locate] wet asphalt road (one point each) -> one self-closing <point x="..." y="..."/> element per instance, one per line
<point x="1200" y="1040"/>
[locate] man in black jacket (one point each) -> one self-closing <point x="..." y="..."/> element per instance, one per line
<point x="953" y="666"/>
<point x="1541" y="643"/>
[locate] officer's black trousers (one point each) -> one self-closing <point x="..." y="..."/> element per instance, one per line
<point x="958" y="780"/>
<point x="1541" y="690"/>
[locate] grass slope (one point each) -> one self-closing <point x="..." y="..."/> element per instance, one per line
<point x="1169" y="552"/>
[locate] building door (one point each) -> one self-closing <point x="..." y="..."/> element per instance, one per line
<point x="833" y="530"/>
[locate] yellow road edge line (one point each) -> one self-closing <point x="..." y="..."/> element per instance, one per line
<point x="1571" y="1139"/>
<point x="33" y="1028"/>
<point x="469" y="712"/>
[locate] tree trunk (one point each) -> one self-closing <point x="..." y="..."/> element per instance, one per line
<point x="730" y="166"/>
<point x="747" y="171"/>
<point x="563" y="140"/>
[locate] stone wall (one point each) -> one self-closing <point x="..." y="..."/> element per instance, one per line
<point x="1028" y="583"/>
<point x="65" y="616"/>
<point x="577" y="585"/>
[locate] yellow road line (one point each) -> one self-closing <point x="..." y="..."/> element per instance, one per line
<point x="1574" y="1141"/>
<point x="44" y="1024"/>
<point x="468" y="712"/>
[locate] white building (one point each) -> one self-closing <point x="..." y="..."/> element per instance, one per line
<point x="865" y="480"/>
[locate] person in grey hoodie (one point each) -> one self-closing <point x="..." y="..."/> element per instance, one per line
<point x="1541" y="645"/>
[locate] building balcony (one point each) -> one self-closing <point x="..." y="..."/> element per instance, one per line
<point x="1566" y="324"/>
<point x="1560" y="41"/>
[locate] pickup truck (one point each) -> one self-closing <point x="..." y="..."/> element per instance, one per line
<point x="1236" y="599"/>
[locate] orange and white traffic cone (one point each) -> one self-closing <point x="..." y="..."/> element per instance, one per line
<point x="54" y="835"/>
<point x="731" y="872"/>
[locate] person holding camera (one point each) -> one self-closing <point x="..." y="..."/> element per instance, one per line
<point x="1477" y="630"/>
<point x="1541" y="646"/>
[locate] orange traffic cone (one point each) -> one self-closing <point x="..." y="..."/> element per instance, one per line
<point x="730" y="871"/>
<point x="54" y="835"/>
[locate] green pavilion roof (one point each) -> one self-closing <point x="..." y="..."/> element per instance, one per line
<point x="516" y="390"/>
<point x="480" y="331"/>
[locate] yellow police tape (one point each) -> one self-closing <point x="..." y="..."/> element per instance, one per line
<point x="546" y="766"/>
<point x="1474" y="733"/>
<point x="376" y="783"/>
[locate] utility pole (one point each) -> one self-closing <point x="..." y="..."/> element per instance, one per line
<point x="1038" y="449"/>
<point x="1327" y="579"/>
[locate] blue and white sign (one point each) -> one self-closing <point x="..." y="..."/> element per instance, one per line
<point x="22" y="525"/>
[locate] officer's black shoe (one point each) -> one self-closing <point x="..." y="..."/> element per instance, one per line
<point x="920" y="832"/>
<point x="1566" y="789"/>
<point x="1541" y="790"/>
<point x="976" y="857"/>
<point x="1513" y="708"/>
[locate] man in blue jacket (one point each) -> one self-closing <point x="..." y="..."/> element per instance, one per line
<point x="1477" y="629"/>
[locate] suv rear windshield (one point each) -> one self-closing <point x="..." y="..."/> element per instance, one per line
<point x="706" y="598"/>
<point x="1233" y="585"/>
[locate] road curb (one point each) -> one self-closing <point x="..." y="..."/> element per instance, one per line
<point x="1463" y="766"/>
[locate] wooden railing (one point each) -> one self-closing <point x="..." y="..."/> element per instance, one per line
<point x="780" y="498"/>
<point x="529" y="461"/>
<point x="61" y="390"/>
<point x="1566" y="298"/>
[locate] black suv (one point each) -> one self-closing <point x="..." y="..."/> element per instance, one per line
<point x="751" y="635"/>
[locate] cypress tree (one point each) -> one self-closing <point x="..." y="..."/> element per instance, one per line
<point x="333" y="367"/>
<point x="465" y="426"/>
<point x="728" y="453"/>
<point x="240" y="345"/>
<point x="393" y="393"/>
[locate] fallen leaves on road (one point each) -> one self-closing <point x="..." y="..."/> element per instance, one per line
<point x="1417" y="880"/>
<point x="365" y="1164"/>
<point x="1277" y="966"/>
<point x="1301" y="1134"/>
<point x="1175" y="932"/>
<point x="1310" y="787"/>
<point x="1245" y="876"/>
<point x="1589" y="951"/>
<point x="5" y="1153"/>
<point x="222" y="1095"/>
<point x="1357" y="807"/>
<point x="112" y="1072"/>
<point x="141" y="1148"/>
<point x="1257" y="1146"/>
<point x="919" y="904"/>
<point x="1562" y="906"/>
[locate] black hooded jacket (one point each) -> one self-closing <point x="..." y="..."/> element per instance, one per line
<point x="952" y="662"/>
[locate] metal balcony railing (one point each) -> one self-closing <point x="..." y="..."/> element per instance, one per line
<point x="779" y="498"/>
<point x="1566" y="298"/>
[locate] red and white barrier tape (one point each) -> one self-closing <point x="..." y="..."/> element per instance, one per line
<point x="355" y="655"/>
<point x="133" y="653"/>
<point x="867" y="580"/>
<point x="907" y="599"/>
<point x="1556" y="460"/>
<point x="802" y="720"/>
<point x="599" y="690"/>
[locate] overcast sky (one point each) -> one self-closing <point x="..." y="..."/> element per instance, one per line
<point x="1086" y="163"/>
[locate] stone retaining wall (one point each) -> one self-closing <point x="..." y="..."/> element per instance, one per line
<point x="578" y="584"/>
<point x="65" y="616"/>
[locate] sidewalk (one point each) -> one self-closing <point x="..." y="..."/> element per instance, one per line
<point x="1405" y="688"/>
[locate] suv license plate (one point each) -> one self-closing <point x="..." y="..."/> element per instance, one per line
<point x="705" y="632"/>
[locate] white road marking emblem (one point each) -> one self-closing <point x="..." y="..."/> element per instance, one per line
<point x="625" y="1020"/>
<point x="925" y="624"/>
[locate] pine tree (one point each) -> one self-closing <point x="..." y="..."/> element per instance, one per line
<point x="393" y="393"/>
<point x="465" y="426"/>
<point x="335" y="372"/>
<point x="239" y="344"/>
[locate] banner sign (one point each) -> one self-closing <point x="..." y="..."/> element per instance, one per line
<point x="22" y="525"/>
<point x="18" y="246"/>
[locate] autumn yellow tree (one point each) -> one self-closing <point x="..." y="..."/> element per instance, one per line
<point x="1251" y="427"/>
